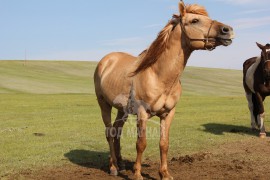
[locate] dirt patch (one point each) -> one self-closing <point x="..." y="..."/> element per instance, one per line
<point x="239" y="160"/>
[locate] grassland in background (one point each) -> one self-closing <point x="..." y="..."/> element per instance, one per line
<point x="58" y="77"/>
<point x="49" y="115"/>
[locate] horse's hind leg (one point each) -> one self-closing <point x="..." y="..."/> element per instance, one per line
<point x="106" y="110"/>
<point x="118" y="125"/>
<point x="253" y="117"/>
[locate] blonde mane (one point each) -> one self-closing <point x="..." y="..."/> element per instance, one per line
<point x="152" y="54"/>
<point x="196" y="9"/>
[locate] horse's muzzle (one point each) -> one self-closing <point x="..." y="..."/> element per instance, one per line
<point x="226" y="35"/>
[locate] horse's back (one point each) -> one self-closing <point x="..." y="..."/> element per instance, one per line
<point x="112" y="61"/>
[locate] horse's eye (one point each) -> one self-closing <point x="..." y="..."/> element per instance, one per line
<point x="194" y="21"/>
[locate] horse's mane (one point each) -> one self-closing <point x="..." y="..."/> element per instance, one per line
<point x="152" y="54"/>
<point x="196" y="9"/>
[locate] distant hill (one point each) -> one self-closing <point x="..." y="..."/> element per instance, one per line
<point x="212" y="81"/>
<point x="54" y="77"/>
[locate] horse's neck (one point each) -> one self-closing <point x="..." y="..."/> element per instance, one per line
<point x="260" y="68"/>
<point x="173" y="60"/>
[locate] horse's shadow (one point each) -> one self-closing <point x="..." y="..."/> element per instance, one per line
<point x="99" y="160"/>
<point x="220" y="129"/>
<point x="89" y="159"/>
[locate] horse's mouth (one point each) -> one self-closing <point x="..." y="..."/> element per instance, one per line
<point x="225" y="42"/>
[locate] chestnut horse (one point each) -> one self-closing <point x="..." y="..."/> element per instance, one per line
<point x="149" y="84"/>
<point x="256" y="81"/>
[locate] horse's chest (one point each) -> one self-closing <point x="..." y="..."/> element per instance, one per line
<point x="165" y="103"/>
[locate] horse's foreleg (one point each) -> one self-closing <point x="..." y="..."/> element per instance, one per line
<point x="141" y="143"/>
<point x="109" y="132"/>
<point x="261" y="115"/>
<point x="165" y="123"/>
<point x="118" y="125"/>
<point x="261" y="125"/>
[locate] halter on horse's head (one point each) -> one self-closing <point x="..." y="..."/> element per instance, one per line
<point x="199" y="28"/>
<point x="265" y="59"/>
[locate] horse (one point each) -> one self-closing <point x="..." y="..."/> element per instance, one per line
<point x="256" y="82"/>
<point x="149" y="85"/>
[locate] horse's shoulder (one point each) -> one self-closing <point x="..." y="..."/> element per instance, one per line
<point x="249" y="62"/>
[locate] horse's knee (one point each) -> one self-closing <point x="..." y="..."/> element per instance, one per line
<point x="260" y="119"/>
<point x="119" y="123"/>
<point x="164" y="145"/>
<point x="141" y="144"/>
<point x="262" y="115"/>
<point x="110" y="132"/>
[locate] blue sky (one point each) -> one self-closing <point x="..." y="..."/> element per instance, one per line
<point x="89" y="29"/>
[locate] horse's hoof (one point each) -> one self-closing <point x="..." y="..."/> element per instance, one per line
<point x="122" y="166"/>
<point x="113" y="172"/>
<point x="122" y="170"/>
<point x="262" y="135"/>
<point x="138" y="177"/>
<point x="167" y="178"/>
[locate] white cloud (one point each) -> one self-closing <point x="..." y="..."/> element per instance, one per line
<point x="244" y="2"/>
<point x="253" y="11"/>
<point x="247" y="23"/>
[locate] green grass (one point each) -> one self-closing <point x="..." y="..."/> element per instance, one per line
<point x="49" y="115"/>
<point x="41" y="129"/>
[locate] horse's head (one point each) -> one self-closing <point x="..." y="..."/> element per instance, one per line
<point x="203" y="32"/>
<point x="265" y="59"/>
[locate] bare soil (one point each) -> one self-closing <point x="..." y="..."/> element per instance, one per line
<point x="239" y="160"/>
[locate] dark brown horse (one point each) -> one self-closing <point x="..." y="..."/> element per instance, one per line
<point x="256" y="82"/>
<point x="149" y="84"/>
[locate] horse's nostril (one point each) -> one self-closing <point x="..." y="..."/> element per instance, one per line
<point x="225" y="30"/>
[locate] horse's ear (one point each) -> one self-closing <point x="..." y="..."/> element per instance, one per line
<point x="259" y="45"/>
<point x="182" y="8"/>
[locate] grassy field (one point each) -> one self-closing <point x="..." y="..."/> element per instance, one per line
<point x="49" y="115"/>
